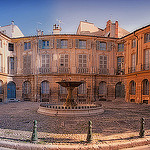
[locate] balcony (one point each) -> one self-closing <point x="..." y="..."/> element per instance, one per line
<point x="103" y="71"/>
<point x="145" y="67"/>
<point x="131" y="70"/>
<point x="64" y="70"/>
<point x="82" y="70"/>
<point x="44" y="70"/>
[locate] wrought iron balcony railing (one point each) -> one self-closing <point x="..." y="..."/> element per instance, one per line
<point x="103" y="71"/>
<point x="44" y="70"/>
<point x="145" y="67"/>
<point x="82" y="70"/>
<point x="131" y="69"/>
<point x="64" y="70"/>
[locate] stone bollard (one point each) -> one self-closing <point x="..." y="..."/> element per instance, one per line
<point x="89" y="134"/>
<point x="34" y="138"/>
<point x="142" y="128"/>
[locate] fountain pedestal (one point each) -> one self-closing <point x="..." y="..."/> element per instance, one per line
<point x="70" y="85"/>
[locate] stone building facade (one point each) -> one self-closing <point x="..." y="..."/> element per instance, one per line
<point x="34" y="64"/>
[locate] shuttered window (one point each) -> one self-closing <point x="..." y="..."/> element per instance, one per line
<point x="102" y="88"/>
<point x="103" y="62"/>
<point x="45" y="61"/>
<point x="120" y="47"/>
<point x="101" y="46"/>
<point x="147" y="59"/>
<point x="64" y="60"/>
<point x="27" y="46"/>
<point x="45" y="87"/>
<point x="147" y="37"/>
<point x="81" y="44"/>
<point x="82" y="61"/>
<point x="120" y="63"/>
<point x="133" y="62"/>
<point x="133" y="43"/>
<point x="64" y="43"/>
<point x="63" y="90"/>
<point x="26" y="87"/>
<point x="27" y="64"/>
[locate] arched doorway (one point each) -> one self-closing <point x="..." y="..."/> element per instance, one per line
<point x="26" y="91"/>
<point x="119" y="90"/>
<point x="45" y="91"/>
<point x="11" y="90"/>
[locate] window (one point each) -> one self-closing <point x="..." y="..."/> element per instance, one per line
<point x="45" y="61"/>
<point x="63" y="90"/>
<point x="0" y="43"/>
<point x="120" y="47"/>
<point x="27" y="64"/>
<point x="45" y="44"/>
<point x="147" y="37"/>
<point x="82" y="61"/>
<point x="64" y="60"/>
<point x="102" y="64"/>
<point x="133" y="43"/>
<point x="64" y="43"/>
<point x="26" y="87"/>
<point x="145" y="87"/>
<point x="101" y="46"/>
<point x="1" y="87"/>
<point x="10" y="47"/>
<point x="12" y="63"/>
<point x="102" y="88"/>
<point x="133" y="62"/>
<point x="132" y="88"/>
<point x="27" y="46"/>
<point x="45" y="87"/>
<point x="82" y="89"/>
<point x="120" y="64"/>
<point x="81" y="44"/>
<point x="147" y="59"/>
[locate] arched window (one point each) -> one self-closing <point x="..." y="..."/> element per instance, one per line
<point x="82" y="89"/>
<point x="145" y="86"/>
<point x="45" y="87"/>
<point x="102" y="88"/>
<point x="132" y="88"/>
<point x="26" y="87"/>
<point x="1" y="87"/>
<point x="63" y="90"/>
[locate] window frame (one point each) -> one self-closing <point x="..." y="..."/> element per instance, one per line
<point x="120" y="47"/>
<point x="27" y="46"/>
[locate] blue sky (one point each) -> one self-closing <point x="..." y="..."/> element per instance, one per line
<point x="43" y="14"/>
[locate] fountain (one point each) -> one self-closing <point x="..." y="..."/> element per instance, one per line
<point x="70" y="107"/>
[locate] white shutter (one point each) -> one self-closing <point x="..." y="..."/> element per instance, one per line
<point x="70" y="43"/>
<point x="40" y="44"/>
<point x="58" y="43"/>
<point x="88" y="44"/>
<point x="51" y="43"/>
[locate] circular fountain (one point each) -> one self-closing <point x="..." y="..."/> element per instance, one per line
<point x="70" y="107"/>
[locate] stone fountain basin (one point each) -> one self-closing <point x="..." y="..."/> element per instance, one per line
<point x="60" y="110"/>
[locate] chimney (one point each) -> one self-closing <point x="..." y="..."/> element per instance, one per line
<point x="12" y="22"/>
<point x="39" y="32"/>
<point x="56" y="29"/>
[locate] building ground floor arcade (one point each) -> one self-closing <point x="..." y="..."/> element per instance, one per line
<point x="45" y="89"/>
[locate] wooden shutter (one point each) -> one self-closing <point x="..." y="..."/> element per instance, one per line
<point x="51" y="43"/>
<point x="133" y="61"/>
<point x="77" y="43"/>
<point x="70" y="43"/>
<point x="103" y="62"/>
<point x="58" y="43"/>
<point x="88" y="44"/>
<point x="40" y="44"/>
<point x="97" y="45"/>
<point x="109" y="46"/>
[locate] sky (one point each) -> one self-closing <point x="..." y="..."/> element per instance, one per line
<point x="30" y="15"/>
